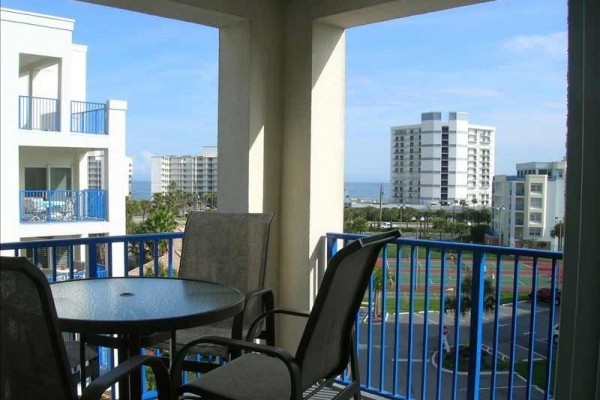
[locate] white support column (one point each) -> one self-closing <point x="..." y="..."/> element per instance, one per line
<point x="249" y="172"/>
<point x="313" y="150"/>
<point x="117" y="178"/>
<point x="250" y="121"/>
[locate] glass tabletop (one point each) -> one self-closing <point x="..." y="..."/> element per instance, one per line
<point x="140" y="305"/>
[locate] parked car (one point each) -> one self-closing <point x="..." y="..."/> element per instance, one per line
<point x="555" y="334"/>
<point x="545" y="295"/>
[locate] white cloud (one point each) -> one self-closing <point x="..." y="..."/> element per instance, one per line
<point x="552" y="45"/>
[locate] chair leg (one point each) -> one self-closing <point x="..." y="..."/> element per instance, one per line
<point x="354" y="365"/>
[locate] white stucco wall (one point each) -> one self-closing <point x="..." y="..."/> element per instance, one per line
<point x="39" y="59"/>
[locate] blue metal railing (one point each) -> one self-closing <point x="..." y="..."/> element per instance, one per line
<point x="42" y="206"/>
<point x="483" y="293"/>
<point x="401" y="352"/>
<point x="88" y="117"/>
<point x="39" y="113"/>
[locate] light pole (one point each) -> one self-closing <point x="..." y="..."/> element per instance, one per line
<point x="421" y="220"/>
<point x="402" y="208"/>
<point x="413" y="219"/>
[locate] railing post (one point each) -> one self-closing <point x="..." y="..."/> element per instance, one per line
<point x="331" y="247"/>
<point x="91" y="272"/>
<point x="476" y="328"/>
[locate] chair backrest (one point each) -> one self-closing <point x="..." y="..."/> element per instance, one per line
<point x="34" y="360"/>
<point x="324" y="348"/>
<point x="227" y="248"/>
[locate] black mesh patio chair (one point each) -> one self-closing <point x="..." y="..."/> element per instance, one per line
<point x="326" y="347"/>
<point x="34" y="361"/>
<point x="230" y="249"/>
<point x="226" y="248"/>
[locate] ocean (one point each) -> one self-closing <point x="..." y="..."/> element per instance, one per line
<point x="355" y="190"/>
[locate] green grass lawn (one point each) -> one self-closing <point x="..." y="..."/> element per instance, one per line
<point x="539" y="372"/>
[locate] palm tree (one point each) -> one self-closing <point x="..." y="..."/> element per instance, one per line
<point x="489" y="298"/>
<point x="145" y="207"/>
<point x="378" y="289"/>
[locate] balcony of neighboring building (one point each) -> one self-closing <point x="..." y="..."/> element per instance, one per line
<point x="41" y="106"/>
<point x="44" y="114"/>
<point x="46" y="206"/>
<point x="58" y="190"/>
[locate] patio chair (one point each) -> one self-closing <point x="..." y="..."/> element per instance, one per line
<point x="230" y="249"/>
<point x="226" y="248"/>
<point x="34" y="362"/>
<point x="34" y="208"/>
<point x="326" y="347"/>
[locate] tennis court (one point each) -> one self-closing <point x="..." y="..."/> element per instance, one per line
<point x="433" y="274"/>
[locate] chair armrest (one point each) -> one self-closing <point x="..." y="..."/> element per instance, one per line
<point x="279" y="353"/>
<point x="163" y="382"/>
<point x="238" y="321"/>
<point x="270" y="313"/>
<point x="265" y="293"/>
<point x="268" y="299"/>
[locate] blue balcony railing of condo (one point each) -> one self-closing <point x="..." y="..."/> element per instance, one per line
<point x="88" y="117"/>
<point x="39" y="113"/>
<point x="504" y="352"/>
<point x="505" y="336"/>
<point x="42" y="206"/>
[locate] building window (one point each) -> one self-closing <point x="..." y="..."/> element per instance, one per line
<point x="535" y="203"/>
<point x="537" y="188"/>
<point x="535" y="232"/>
<point x="535" y="217"/>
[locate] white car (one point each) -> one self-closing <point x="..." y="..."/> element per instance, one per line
<point x="555" y="334"/>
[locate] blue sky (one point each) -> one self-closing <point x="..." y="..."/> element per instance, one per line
<point x="503" y="62"/>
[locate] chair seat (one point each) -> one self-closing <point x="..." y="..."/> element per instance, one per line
<point x="250" y="377"/>
<point x="73" y="353"/>
<point x="185" y="336"/>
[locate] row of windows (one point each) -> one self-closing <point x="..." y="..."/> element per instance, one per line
<point x="537" y="188"/>
<point x="410" y="131"/>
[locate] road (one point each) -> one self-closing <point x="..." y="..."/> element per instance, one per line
<point x="427" y="368"/>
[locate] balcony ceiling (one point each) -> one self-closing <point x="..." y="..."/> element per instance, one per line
<point x="342" y="13"/>
<point x="28" y="62"/>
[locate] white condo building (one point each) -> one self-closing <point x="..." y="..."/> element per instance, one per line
<point x="528" y="206"/>
<point x="442" y="162"/>
<point x="192" y="174"/>
<point x="50" y="135"/>
<point x="96" y="168"/>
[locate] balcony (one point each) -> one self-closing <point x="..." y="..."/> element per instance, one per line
<point x="88" y="117"/>
<point x="39" y="113"/>
<point x="44" y="206"/>
<point x="402" y="337"/>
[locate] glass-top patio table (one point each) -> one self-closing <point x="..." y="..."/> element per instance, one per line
<point x="137" y="306"/>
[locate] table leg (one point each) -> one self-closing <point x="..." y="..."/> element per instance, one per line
<point x="172" y="348"/>
<point x="124" y="383"/>
<point x="82" y="342"/>
<point x="135" y="380"/>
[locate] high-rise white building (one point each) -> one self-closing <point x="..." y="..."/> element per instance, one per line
<point x="192" y="174"/>
<point x="526" y="207"/>
<point x="96" y="168"/>
<point x="442" y="162"/>
<point x="48" y="129"/>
